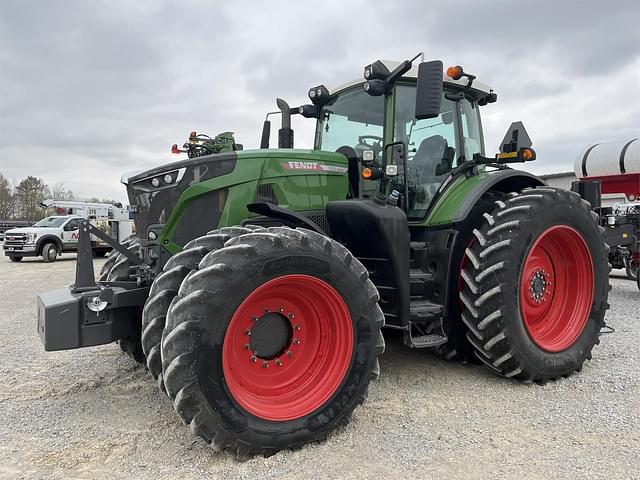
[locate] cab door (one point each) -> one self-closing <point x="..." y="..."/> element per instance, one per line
<point x="70" y="234"/>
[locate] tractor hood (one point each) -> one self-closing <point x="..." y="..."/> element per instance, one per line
<point x="154" y="193"/>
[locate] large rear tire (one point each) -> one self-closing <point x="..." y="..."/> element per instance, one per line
<point x="165" y="288"/>
<point x="536" y="285"/>
<point x="273" y="342"/>
<point x="457" y="348"/>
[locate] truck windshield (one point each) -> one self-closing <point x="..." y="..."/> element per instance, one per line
<point x="355" y="119"/>
<point x="52" y="222"/>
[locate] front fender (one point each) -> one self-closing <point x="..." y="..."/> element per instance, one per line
<point x="458" y="198"/>
<point x="40" y="242"/>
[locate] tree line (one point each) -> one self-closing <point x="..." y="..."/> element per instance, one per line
<point x="22" y="201"/>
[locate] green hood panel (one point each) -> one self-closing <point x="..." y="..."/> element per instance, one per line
<point x="301" y="180"/>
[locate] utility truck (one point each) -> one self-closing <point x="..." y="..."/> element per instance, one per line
<point x="265" y="277"/>
<point x="54" y="235"/>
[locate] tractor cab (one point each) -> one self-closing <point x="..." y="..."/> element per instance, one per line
<point x="401" y="130"/>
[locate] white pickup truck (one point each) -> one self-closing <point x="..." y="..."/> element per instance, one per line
<point x="49" y="237"/>
<point x="54" y="235"/>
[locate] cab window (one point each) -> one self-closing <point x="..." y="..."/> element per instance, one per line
<point x="431" y="149"/>
<point x="72" y="225"/>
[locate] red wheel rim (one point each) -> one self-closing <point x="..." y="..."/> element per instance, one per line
<point x="556" y="288"/>
<point x="313" y="362"/>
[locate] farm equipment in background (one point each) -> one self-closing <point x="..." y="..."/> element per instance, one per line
<point x="613" y="168"/>
<point x="199" y="144"/>
<point x="265" y="276"/>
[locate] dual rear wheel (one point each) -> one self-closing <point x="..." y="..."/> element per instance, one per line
<point x="268" y="341"/>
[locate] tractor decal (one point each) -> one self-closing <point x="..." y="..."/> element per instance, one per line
<point x="312" y="166"/>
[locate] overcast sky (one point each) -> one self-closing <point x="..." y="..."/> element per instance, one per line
<point x="92" y="89"/>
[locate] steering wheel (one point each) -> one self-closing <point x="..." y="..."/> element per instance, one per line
<point x="375" y="145"/>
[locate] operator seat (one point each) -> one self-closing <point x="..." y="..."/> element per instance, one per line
<point x="432" y="163"/>
<point x="434" y="156"/>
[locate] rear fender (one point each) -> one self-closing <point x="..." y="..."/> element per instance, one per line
<point x="458" y="198"/>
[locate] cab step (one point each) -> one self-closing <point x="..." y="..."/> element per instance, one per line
<point x="425" y="326"/>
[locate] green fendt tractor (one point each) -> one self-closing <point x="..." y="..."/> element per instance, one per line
<point x="259" y="280"/>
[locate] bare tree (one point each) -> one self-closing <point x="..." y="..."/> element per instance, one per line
<point x="60" y="192"/>
<point x="7" y="199"/>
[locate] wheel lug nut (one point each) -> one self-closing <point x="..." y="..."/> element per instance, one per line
<point x="296" y="341"/>
<point x="247" y="332"/>
<point x="291" y="315"/>
<point x="254" y="358"/>
<point x="278" y="362"/>
<point x="281" y="309"/>
<point x="289" y="354"/>
<point x="297" y="326"/>
<point x="255" y="319"/>
<point x="265" y="364"/>
<point x="247" y="346"/>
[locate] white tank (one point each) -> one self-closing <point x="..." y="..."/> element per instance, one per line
<point x="608" y="158"/>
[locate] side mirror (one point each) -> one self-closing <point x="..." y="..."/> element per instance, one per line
<point x="429" y="89"/>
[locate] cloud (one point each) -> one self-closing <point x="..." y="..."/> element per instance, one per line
<point x="89" y="90"/>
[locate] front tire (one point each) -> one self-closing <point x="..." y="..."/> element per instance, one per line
<point x="536" y="285"/>
<point x="307" y="365"/>
<point x="165" y="288"/>
<point x="15" y="258"/>
<point x="49" y="253"/>
<point x="631" y="269"/>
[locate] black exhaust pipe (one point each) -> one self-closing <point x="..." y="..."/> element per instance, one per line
<point x="285" y="134"/>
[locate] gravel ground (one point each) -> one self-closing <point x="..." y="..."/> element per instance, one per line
<point x="93" y="413"/>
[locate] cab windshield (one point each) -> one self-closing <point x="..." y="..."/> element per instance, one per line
<point x="354" y="119"/>
<point x="52" y="222"/>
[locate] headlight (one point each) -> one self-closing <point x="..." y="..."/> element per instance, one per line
<point x="31" y="238"/>
<point x="155" y="182"/>
<point x="168" y="179"/>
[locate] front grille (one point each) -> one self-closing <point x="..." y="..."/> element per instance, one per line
<point x="15" y="239"/>
<point x="201" y="216"/>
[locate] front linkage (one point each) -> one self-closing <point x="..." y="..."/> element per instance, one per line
<point x="87" y="313"/>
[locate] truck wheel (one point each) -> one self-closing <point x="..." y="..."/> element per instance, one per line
<point x="273" y="342"/>
<point x="16" y="258"/>
<point x="49" y="252"/>
<point x="165" y="288"/>
<point x="632" y="269"/>
<point x="536" y="285"/>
